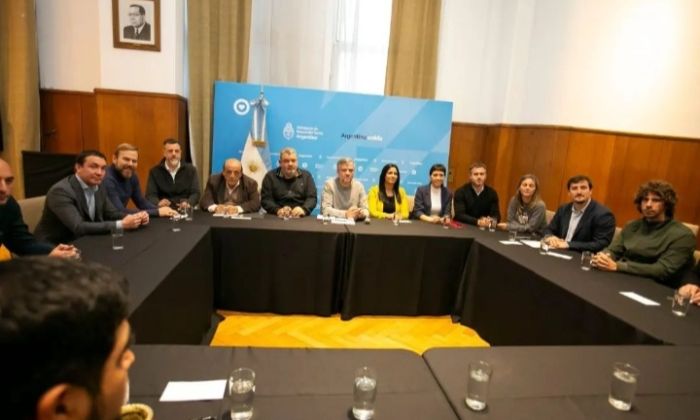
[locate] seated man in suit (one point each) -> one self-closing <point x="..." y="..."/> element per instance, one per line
<point x="654" y="246"/>
<point x="344" y="196"/>
<point x="475" y="202"/>
<point x="582" y="225"/>
<point x="14" y="234"/>
<point x="288" y="191"/>
<point x="231" y="191"/>
<point x="122" y="184"/>
<point x="72" y="317"/>
<point x="172" y="182"/>
<point x="77" y="206"/>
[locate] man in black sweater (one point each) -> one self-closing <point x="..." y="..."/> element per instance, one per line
<point x="173" y="183"/>
<point x="14" y="234"/>
<point x="475" y="202"/>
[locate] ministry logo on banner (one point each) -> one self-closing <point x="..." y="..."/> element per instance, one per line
<point x="256" y="152"/>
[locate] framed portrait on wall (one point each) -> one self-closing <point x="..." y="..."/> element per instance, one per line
<point x="136" y="24"/>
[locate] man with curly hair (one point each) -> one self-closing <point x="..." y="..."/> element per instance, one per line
<point x="655" y="246"/>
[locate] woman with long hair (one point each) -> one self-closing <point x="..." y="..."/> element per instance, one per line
<point x="526" y="210"/>
<point x="388" y="199"/>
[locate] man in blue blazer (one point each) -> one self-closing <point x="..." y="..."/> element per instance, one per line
<point x="77" y="206"/>
<point x="583" y="224"/>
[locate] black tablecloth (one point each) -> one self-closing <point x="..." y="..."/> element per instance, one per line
<point x="170" y="279"/>
<point x="290" y="383"/>
<point x="273" y="265"/>
<point x="409" y="269"/>
<point x="512" y="295"/>
<point x="572" y="382"/>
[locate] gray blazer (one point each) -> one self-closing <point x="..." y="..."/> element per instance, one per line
<point x="66" y="216"/>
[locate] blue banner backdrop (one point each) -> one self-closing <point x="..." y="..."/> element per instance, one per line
<point x="324" y="126"/>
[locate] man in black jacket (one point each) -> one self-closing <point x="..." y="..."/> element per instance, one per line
<point x="172" y="182"/>
<point x="14" y="234"/>
<point x="583" y="224"/>
<point x="475" y="202"/>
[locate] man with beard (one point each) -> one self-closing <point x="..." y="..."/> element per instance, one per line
<point x="475" y="202"/>
<point x="173" y="183"/>
<point x="77" y="205"/>
<point x="122" y="183"/>
<point x="288" y="191"/>
<point x="655" y="246"/>
<point x="344" y="196"/>
<point x="64" y="340"/>
<point x="582" y="225"/>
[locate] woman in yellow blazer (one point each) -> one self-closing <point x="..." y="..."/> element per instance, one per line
<point x="388" y="198"/>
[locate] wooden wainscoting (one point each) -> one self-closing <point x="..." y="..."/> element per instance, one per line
<point x="74" y="121"/>
<point x="617" y="163"/>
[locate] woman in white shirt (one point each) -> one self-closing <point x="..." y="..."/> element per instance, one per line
<point x="433" y="202"/>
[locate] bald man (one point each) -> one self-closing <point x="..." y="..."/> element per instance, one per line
<point x="231" y="191"/>
<point x="14" y="234"/>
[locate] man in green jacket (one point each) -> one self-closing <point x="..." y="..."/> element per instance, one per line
<point x="655" y="246"/>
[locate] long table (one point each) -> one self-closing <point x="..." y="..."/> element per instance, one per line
<point x="512" y="295"/>
<point x="290" y="383"/>
<point x="410" y="269"/>
<point x="572" y="382"/>
<point x="170" y="279"/>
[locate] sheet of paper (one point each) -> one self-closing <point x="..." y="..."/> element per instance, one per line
<point x="510" y="242"/>
<point x="558" y="255"/>
<point x="531" y="243"/>
<point x="342" y="221"/>
<point x="194" y="390"/>
<point x="218" y="215"/>
<point x="639" y="298"/>
<point x="237" y="217"/>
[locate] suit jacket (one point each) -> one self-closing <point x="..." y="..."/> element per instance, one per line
<point x="594" y="232"/>
<point x="66" y="216"/>
<point x="144" y="35"/>
<point x="422" y="202"/>
<point x="215" y="191"/>
<point x="14" y="233"/>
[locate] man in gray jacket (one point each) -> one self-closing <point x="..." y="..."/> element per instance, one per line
<point x="77" y="206"/>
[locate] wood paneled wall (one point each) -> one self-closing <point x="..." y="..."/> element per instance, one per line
<point x="74" y="121"/>
<point x="616" y="162"/>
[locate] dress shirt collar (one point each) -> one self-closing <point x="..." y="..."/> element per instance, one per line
<point x="85" y="186"/>
<point x="580" y="212"/>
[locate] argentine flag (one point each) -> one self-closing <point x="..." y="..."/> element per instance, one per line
<point x="256" y="152"/>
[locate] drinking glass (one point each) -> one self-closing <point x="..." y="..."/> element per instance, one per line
<point x="117" y="238"/>
<point x="623" y="385"/>
<point x="544" y="248"/>
<point x="364" y="393"/>
<point x="241" y="392"/>
<point x="478" y="385"/>
<point x="680" y="304"/>
<point x="512" y="235"/>
<point x="586" y="259"/>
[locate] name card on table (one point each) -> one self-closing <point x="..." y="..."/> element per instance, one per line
<point x="639" y="298"/>
<point x="194" y="390"/>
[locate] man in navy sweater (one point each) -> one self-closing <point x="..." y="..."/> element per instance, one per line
<point x="172" y="182"/>
<point x="122" y="183"/>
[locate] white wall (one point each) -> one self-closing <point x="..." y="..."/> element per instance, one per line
<point x="628" y="65"/>
<point x="68" y="38"/>
<point x="76" y="49"/>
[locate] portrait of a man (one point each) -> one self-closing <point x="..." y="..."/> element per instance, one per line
<point x="136" y="24"/>
<point x="138" y="27"/>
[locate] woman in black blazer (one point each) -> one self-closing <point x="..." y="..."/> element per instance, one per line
<point x="433" y="202"/>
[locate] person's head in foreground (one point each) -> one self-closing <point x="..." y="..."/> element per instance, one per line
<point x="64" y="339"/>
